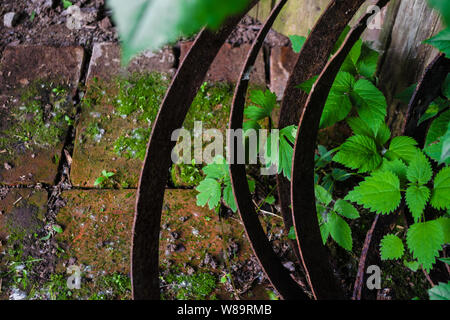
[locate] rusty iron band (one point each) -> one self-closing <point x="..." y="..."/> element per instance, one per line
<point x="154" y="174"/>
<point x="314" y="255"/>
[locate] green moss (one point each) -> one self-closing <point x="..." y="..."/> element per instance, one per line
<point x="199" y="286"/>
<point x="40" y="119"/>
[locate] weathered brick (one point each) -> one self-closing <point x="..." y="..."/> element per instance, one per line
<point x="22" y="212"/>
<point x="98" y="223"/>
<point x="227" y="65"/>
<point x="105" y="62"/>
<point x="23" y="64"/>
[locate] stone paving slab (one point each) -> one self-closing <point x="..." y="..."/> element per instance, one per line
<point x="23" y="64"/>
<point x="36" y="85"/>
<point x="22" y="212"/>
<point x="282" y="62"/>
<point x="227" y="65"/>
<point x="97" y="226"/>
<point x="105" y="62"/>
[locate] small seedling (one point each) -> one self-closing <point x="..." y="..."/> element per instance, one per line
<point x="66" y="4"/>
<point x="103" y="178"/>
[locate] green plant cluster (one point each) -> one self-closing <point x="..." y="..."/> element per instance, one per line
<point x="198" y="286"/>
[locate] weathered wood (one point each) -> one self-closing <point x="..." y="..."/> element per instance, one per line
<point x="406" y="55"/>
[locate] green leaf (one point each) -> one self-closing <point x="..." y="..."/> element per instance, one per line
<point x="433" y="109"/>
<point x="266" y="101"/>
<point x="368" y="62"/>
<point x="346" y="209"/>
<point x="338" y="103"/>
<point x="359" y="152"/>
<point x="218" y="169"/>
<point x="297" y="42"/>
<point x="440" y="198"/>
<point x="66" y="4"/>
<point x="397" y="166"/>
<point x="341" y="39"/>
<point x="144" y="24"/>
<point x="445" y="260"/>
<point x="270" y="199"/>
<point x="291" y="234"/>
<point x="445" y="153"/>
<point x="340" y="231"/>
<point x="322" y="195"/>
<point x="379" y="192"/>
<point x="440" y="292"/>
<point x="413" y="265"/>
<point x="340" y="175"/>
<point x="308" y="84"/>
<point x="228" y="197"/>
<point x="441" y="41"/>
<point x="436" y="142"/>
<point x="391" y="247"/>
<point x="371" y="104"/>
<point x="336" y="109"/>
<point x="445" y="225"/>
<point x="416" y="199"/>
<point x="99" y="181"/>
<point x="282" y="160"/>
<point x="324" y="232"/>
<point x="444" y="8"/>
<point x="419" y="169"/>
<point x="57" y="228"/>
<point x="383" y="134"/>
<point x="402" y="147"/>
<point x="209" y="192"/>
<point x="251" y="185"/>
<point x="424" y="240"/>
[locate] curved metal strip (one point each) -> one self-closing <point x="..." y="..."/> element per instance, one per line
<point x="313" y="254"/>
<point x="271" y="264"/>
<point x="310" y="62"/>
<point x="176" y="103"/>
<point x="428" y="89"/>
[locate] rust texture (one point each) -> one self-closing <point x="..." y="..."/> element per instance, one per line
<point x="271" y="264"/>
<point x="313" y="254"/>
<point x="428" y="89"/>
<point x="176" y="103"/>
<point x="311" y="61"/>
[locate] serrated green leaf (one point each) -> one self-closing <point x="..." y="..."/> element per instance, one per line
<point x="209" y="193"/>
<point x="338" y="103"/>
<point x="424" y="240"/>
<point x="419" y="169"/>
<point x="340" y="231"/>
<point x="359" y="152"/>
<point x="297" y="42"/>
<point x="144" y="24"/>
<point x="383" y="134"/>
<point x="440" y="198"/>
<point x="368" y="62"/>
<point x="379" y="192"/>
<point x="416" y="199"/>
<point x="436" y="143"/>
<point x="391" y="247"/>
<point x="336" y="109"/>
<point x="346" y="209"/>
<point x="283" y="159"/>
<point x="270" y="199"/>
<point x="57" y="228"/>
<point x="371" y="104"/>
<point x="402" y="147"/>
<point x="397" y="166"/>
<point x="322" y="195"/>
<point x="440" y="292"/>
<point x="441" y="41"/>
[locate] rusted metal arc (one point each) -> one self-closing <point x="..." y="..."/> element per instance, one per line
<point x="428" y="89"/>
<point x="313" y="254"/>
<point x="271" y="264"/>
<point x="310" y="62"/>
<point x="176" y="103"/>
